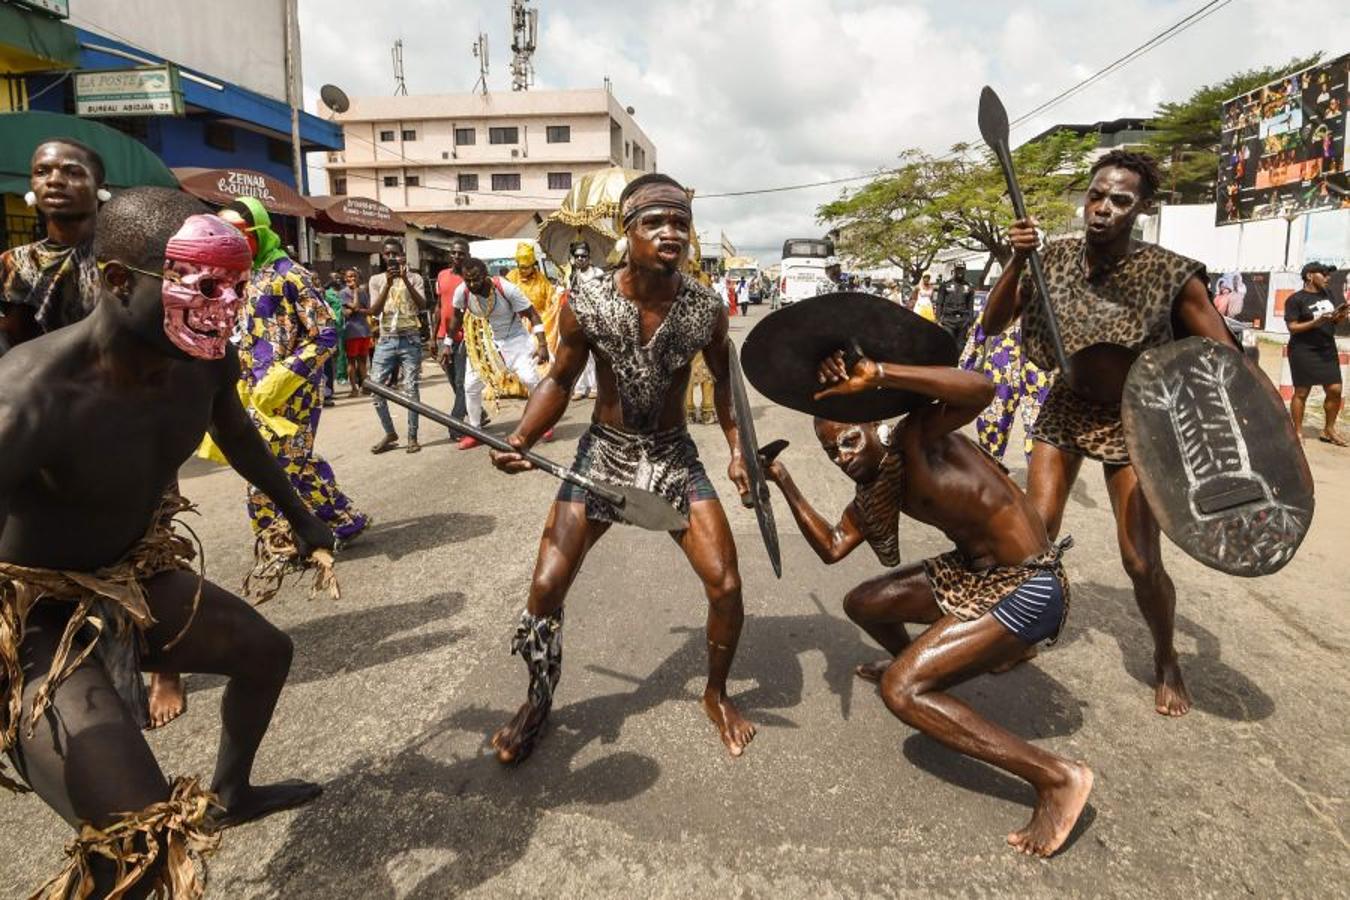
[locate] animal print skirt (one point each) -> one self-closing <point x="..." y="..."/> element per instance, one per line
<point x="1072" y="423"/>
<point x="969" y="593"/>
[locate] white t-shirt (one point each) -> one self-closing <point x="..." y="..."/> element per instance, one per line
<point x="503" y="307"/>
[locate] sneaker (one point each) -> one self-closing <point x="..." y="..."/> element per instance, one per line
<point x="468" y="443"/>
<point x="709" y="417"/>
<point x="548" y="435"/>
<point x="413" y="446"/>
<point x="387" y="443"/>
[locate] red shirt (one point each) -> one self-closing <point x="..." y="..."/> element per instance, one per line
<point x="447" y="282"/>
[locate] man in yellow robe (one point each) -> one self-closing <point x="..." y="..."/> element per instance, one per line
<point x="535" y="285"/>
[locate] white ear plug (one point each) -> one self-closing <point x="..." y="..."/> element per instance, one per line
<point x="621" y="247"/>
<point x="104" y="195"/>
<point x="30" y="198"/>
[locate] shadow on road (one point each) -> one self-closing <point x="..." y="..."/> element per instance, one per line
<point x="360" y="639"/>
<point x="441" y="817"/>
<point x="1216" y="687"/>
<point x="395" y="540"/>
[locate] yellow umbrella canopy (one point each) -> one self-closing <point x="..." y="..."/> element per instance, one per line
<point x="590" y="213"/>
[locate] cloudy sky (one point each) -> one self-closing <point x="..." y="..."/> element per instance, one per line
<point x="749" y="94"/>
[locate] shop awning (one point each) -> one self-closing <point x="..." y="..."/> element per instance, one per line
<point x="128" y="162"/>
<point x="355" y="215"/>
<point x="507" y="223"/>
<point x="220" y="186"/>
<point x="33" y="42"/>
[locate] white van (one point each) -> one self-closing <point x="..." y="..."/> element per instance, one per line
<point x="803" y="268"/>
<point x="500" y="256"/>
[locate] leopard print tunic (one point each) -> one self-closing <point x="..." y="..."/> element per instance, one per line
<point x="645" y="372"/>
<point x="878" y="505"/>
<point x="1131" y="306"/>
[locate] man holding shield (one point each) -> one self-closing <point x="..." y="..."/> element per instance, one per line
<point x="643" y="324"/>
<point x="1113" y="297"/>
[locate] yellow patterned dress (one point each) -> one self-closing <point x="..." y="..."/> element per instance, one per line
<point x="287" y="333"/>
<point x="545" y="299"/>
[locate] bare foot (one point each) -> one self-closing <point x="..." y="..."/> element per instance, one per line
<point x="1057" y="811"/>
<point x="254" y="802"/>
<point x="872" y="671"/>
<point x="168" y="700"/>
<point x="1171" y="697"/>
<point x="514" y="741"/>
<point x="1016" y="661"/>
<point x="736" y="732"/>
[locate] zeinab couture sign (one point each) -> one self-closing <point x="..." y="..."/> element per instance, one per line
<point x="141" y="91"/>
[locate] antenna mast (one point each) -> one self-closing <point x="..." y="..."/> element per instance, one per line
<point x="480" y="50"/>
<point x="524" y="38"/>
<point x="400" y="86"/>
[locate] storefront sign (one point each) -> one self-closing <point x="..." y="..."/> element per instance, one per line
<point x="245" y="184"/>
<point x="142" y="91"/>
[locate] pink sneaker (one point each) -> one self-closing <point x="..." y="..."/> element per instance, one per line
<point x="468" y="443"/>
<point x="548" y="435"/>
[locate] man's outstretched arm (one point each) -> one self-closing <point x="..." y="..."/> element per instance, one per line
<point x="831" y="543"/>
<point x="548" y="401"/>
<point x="236" y="436"/>
<point x="960" y="395"/>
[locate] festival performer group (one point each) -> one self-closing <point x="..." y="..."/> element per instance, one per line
<point x="118" y="329"/>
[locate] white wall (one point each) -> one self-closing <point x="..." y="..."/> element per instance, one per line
<point x="239" y="41"/>
<point x="1249" y="246"/>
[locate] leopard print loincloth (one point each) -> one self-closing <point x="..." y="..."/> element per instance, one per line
<point x="878" y="505"/>
<point x="968" y="593"/>
<point x="1080" y="426"/>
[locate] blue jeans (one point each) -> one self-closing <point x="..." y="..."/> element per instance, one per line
<point x="403" y="352"/>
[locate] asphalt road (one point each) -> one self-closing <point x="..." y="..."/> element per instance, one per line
<point x="396" y="686"/>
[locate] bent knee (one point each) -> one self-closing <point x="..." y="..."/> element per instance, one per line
<point x="268" y="651"/>
<point x="856" y="603"/>
<point x="900" y="691"/>
<point x="724" y="590"/>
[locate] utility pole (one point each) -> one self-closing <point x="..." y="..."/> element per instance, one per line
<point x="524" y="38"/>
<point x="295" y="100"/>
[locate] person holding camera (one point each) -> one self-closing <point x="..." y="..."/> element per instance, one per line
<point x="399" y="300"/>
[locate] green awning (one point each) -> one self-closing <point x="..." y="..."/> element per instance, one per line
<point x="32" y="42"/>
<point x="128" y="161"/>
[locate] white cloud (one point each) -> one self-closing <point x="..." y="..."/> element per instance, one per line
<point x="741" y="94"/>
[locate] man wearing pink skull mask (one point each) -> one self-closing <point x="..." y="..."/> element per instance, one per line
<point x="96" y="586"/>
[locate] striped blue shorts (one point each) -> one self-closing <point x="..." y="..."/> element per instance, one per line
<point x="1034" y="611"/>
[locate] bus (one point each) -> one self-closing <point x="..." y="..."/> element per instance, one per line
<point x="803" y="268"/>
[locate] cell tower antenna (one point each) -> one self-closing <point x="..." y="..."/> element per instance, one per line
<point x="480" y="50"/>
<point x="524" y="39"/>
<point x="400" y="86"/>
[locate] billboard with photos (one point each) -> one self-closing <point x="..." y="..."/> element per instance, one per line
<point x="1283" y="147"/>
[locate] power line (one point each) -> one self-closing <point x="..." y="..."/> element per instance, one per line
<point x="1162" y="37"/>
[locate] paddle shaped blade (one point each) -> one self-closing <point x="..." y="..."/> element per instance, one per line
<point x="648" y="510"/>
<point x="993" y="118"/>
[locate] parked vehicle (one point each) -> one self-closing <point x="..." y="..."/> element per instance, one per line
<point x="500" y="256"/>
<point x="803" y="267"/>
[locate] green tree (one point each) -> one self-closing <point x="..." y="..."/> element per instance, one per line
<point x="1185" y="134"/>
<point x="931" y="203"/>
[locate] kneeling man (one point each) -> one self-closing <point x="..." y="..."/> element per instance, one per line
<point x="95" y="585"/>
<point x="989" y="601"/>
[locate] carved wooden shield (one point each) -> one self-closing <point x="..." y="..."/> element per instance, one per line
<point x="1217" y="457"/>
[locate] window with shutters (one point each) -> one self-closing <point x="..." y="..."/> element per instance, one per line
<point x="506" y="182"/>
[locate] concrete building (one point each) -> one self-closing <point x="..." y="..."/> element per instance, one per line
<point x="482" y="165"/>
<point x="228" y="128"/>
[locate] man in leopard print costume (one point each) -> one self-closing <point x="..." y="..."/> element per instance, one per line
<point x="1113" y="297"/>
<point x="643" y="324"/>
<point x="987" y="603"/>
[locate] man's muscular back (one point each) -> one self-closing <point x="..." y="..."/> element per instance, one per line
<point x="88" y="458"/>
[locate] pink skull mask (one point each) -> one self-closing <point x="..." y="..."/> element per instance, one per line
<point x="206" y="267"/>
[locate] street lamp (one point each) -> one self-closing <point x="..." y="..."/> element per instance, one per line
<point x="1289" y="213"/>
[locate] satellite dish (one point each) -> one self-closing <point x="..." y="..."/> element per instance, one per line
<point x="631" y="111"/>
<point x="334" y="98"/>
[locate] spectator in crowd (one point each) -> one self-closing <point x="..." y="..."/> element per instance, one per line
<point x="398" y="299"/>
<point x="922" y="297"/>
<point x="355" y="330"/>
<point x="954" y="304"/>
<point x="335" y="366"/>
<point x="450" y="349"/>
<point x="1312" y="317"/>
